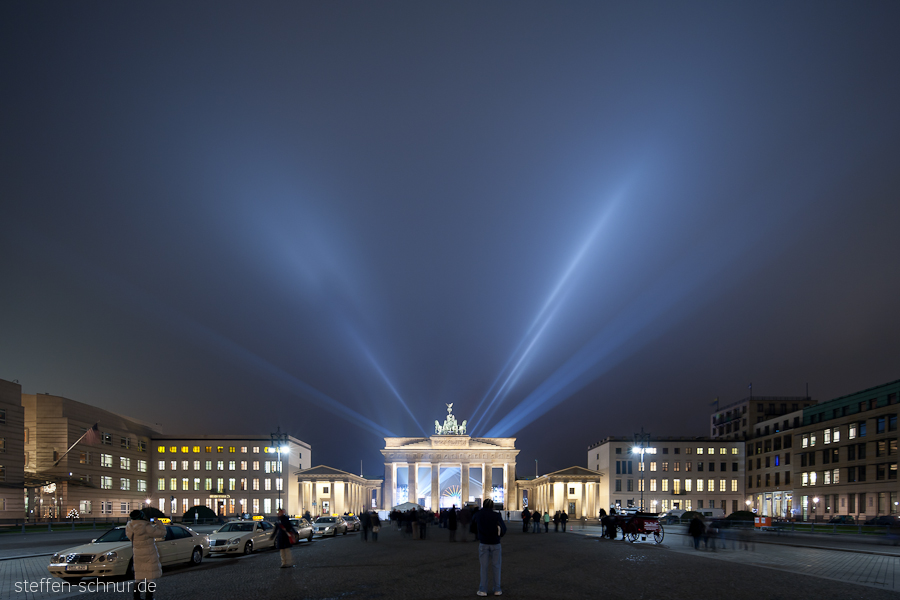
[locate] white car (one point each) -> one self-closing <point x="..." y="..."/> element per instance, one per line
<point x="241" y="537"/>
<point x="110" y="554"/>
<point x="329" y="526"/>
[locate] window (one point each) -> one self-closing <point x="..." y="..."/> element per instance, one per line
<point x="734" y="485"/>
<point x="665" y="466"/>
<point x="106" y="438"/>
<point x="812" y="439"/>
<point x="826" y="437"/>
<point x="812" y="478"/>
<point x="106" y="460"/>
<point x="892" y="422"/>
<point x="105" y="508"/>
<point x="220" y="449"/>
<point x="231" y="484"/>
<point x="185" y="484"/>
<point x="279" y="482"/>
<point x="231" y="465"/>
<point x="804" y="441"/>
<point x="208" y="449"/>
<point x="231" y="449"/>
<point x="268" y="484"/>
<point x="734" y="450"/>
<point x="244" y="484"/>
<point x="207" y="484"/>
<point x="208" y="465"/>
<point x="196" y="484"/>
<point x="220" y="465"/>
<point x="777" y="460"/>
<point x="722" y="450"/>
<point x="700" y="466"/>
<point x="161" y="484"/>
<point x="676" y="466"/>
<point x="243" y="449"/>
<point x="688" y="465"/>
<point x="836" y="435"/>
<point x="699" y="450"/>
<point x="196" y="465"/>
<point x="256" y="465"/>
<point x="84" y="458"/>
<point x="142" y="446"/>
<point x="161" y="449"/>
<point x="173" y="449"/>
<point x="125" y="442"/>
<point x="142" y="485"/>
<point x="256" y="484"/>
<point x="142" y="466"/>
<point x="220" y="485"/>
<point x="124" y="484"/>
<point x="652" y="466"/>
<point x="243" y="465"/>
<point x="710" y="485"/>
<point x="676" y="486"/>
<point x="173" y="484"/>
<point x="652" y="485"/>
<point x="880" y="424"/>
<point x="826" y="478"/>
<point x="196" y="449"/>
<point x="173" y="465"/>
<point x="84" y="506"/>
<point x="862" y="429"/>
<point x="106" y="482"/>
<point x="185" y="465"/>
<point x="125" y="463"/>
<point x="665" y="485"/>
<point x="256" y="450"/>
<point x="687" y="484"/>
<point x="804" y="479"/>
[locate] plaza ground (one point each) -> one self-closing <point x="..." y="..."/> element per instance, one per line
<point x="554" y="565"/>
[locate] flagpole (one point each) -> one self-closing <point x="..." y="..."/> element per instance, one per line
<point x="72" y="446"/>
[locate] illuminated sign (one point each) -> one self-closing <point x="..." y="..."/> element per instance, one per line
<point x="164" y="520"/>
<point x="257" y="517"/>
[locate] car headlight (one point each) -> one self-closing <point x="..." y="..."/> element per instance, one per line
<point x="233" y="541"/>
<point x="329" y="528"/>
<point x="55" y="558"/>
<point x="111" y="556"/>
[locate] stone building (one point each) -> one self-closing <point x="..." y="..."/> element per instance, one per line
<point x="12" y="451"/>
<point x="675" y="473"/>
<point x="449" y="468"/>
<point x="326" y="490"/>
<point x="575" y="491"/>
<point x="736" y="421"/>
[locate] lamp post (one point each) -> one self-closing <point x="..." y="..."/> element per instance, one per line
<point x="279" y="444"/>
<point x="640" y="441"/>
<point x="815" y="503"/>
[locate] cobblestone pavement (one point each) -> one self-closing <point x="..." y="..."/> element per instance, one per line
<point x="534" y="566"/>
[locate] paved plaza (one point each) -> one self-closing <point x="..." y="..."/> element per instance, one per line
<point x="570" y="565"/>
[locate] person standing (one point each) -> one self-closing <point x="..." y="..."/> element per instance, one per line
<point x="563" y="519"/>
<point x="696" y="530"/>
<point x="535" y="521"/>
<point x="546" y="522"/>
<point x="465" y="520"/>
<point x="143" y="535"/>
<point x="365" y="522"/>
<point x="376" y="525"/>
<point x="556" y="521"/>
<point x="491" y="528"/>
<point x="526" y="517"/>
<point x="451" y="522"/>
<point x="282" y="534"/>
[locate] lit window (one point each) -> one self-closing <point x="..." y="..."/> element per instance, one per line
<point x="231" y="449"/>
<point x="687" y="484"/>
<point x="142" y="485"/>
<point x="735" y="451"/>
<point x="184" y="449"/>
<point x="851" y="433"/>
<point x="835" y="478"/>
<point x="173" y="465"/>
<point x="196" y="449"/>
<point x="812" y="478"/>
<point x="268" y="484"/>
<point x="826" y="437"/>
<point x="196" y="484"/>
<point x="723" y="450"/>
<point x="124" y="484"/>
<point x="161" y="484"/>
<point x="185" y="484"/>
<point x="220" y="465"/>
<point x="699" y="450"/>
<point x="173" y="484"/>
<point x="734" y="487"/>
<point x="652" y="485"/>
<point x="812" y="439"/>
<point x="804" y="479"/>
<point x="231" y="464"/>
<point x="184" y="464"/>
<point x="826" y="479"/>
<point x="106" y="482"/>
<point x="836" y="435"/>
<point x="196" y="465"/>
<point x="665" y="485"/>
<point x="173" y="449"/>
<point x="142" y="466"/>
<point x="652" y="466"/>
<point x="805" y="441"/>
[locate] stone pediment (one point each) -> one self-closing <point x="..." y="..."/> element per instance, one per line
<point x="327" y="471"/>
<point x="575" y="473"/>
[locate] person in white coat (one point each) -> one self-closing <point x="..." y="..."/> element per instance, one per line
<point x="143" y="535"/>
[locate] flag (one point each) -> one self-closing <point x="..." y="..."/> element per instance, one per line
<point x="92" y="436"/>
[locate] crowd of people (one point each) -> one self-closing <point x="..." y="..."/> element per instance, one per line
<point x="535" y="518"/>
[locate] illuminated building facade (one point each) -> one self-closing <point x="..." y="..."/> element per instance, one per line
<point x="575" y="491"/>
<point x="676" y="473"/>
<point x="326" y="491"/>
<point x="230" y="474"/>
<point x="449" y="468"/>
<point x="736" y="421"/>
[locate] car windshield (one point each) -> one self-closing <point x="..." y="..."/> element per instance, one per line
<point x="326" y="520"/>
<point x="113" y="535"/>
<point x="237" y="527"/>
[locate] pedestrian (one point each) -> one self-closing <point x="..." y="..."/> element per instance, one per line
<point x="526" y="518"/>
<point x="465" y="521"/>
<point x="696" y="530"/>
<point x="423" y="523"/>
<point x="145" y="557"/>
<point x="556" y="522"/>
<point x="507" y="515"/>
<point x="284" y="535"/>
<point x="376" y="526"/>
<point x="535" y="521"/>
<point x="365" y="522"/>
<point x="563" y="519"/>
<point x="414" y="517"/>
<point x="491" y="528"/>
<point x="451" y="522"/>
<point x="546" y="522"/>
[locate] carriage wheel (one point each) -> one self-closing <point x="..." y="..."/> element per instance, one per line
<point x="659" y="535"/>
<point x="632" y="537"/>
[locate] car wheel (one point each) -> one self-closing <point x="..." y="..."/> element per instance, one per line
<point x="248" y="547"/>
<point x="345" y="531"/>
<point x="197" y="556"/>
<point x="309" y="539"/>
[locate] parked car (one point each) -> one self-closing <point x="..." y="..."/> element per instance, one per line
<point x="110" y="554"/>
<point x="304" y="528"/>
<point x="329" y="526"/>
<point x="353" y="523"/>
<point x="884" y="521"/>
<point x="846" y="519"/>
<point x="241" y="537"/>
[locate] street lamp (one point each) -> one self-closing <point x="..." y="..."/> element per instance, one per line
<point x="748" y="503"/>
<point x="280" y="446"/>
<point x="640" y="440"/>
<point x="815" y="503"/>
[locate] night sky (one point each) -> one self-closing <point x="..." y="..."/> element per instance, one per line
<point x="569" y="219"/>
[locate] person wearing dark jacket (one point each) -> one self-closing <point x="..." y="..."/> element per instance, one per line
<point x="491" y="527"/>
<point x="563" y="519"/>
<point x="283" y="530"/>
<point x="376" y="525"/>
<point x="696" y="530"/>
<point x="526" y="517"/>
<point x="556" y="521"/>
<point x="451" y="523"/>
<point x="365" y="522"/>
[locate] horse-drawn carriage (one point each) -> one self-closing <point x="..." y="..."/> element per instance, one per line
<point x="630" y="526"/>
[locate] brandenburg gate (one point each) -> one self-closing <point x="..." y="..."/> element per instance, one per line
<point x="450" y="468"/>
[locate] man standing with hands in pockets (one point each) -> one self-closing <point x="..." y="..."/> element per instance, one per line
<point x="491" y="528"/>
